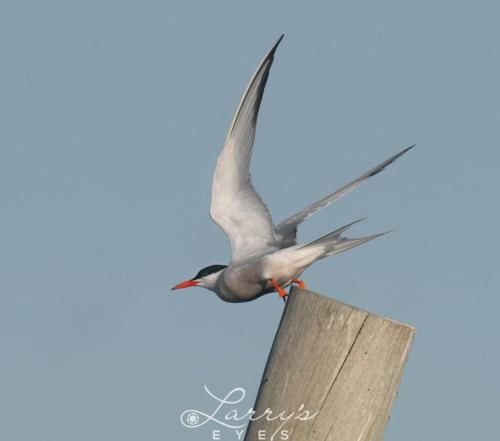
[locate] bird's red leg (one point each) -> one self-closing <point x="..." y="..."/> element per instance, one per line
<point x="299" y="282"/>
<point x="283" y="294"/>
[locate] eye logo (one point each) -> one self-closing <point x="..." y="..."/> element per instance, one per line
<point x="226" y="415"/>
<point x="191" y="419"/>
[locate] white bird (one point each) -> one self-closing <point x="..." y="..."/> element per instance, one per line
<point x="265" y="257"/>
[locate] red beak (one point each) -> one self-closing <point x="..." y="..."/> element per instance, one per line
<point x="186" y="284"/>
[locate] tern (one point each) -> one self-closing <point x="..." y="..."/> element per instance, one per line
<point x="265" y="257"/>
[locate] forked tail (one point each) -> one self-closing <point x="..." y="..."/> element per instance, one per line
<point x="335" y="243"/>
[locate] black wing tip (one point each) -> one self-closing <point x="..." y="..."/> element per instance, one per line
<point x="389" y="161"/>
<point x="407" y="149"/>
<point x="402" y="152"/>
<point x="275" y="46"/>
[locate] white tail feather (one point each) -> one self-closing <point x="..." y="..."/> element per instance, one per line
<point x="335" y="243"/>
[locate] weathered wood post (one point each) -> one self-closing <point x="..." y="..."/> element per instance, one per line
<point x="334" y="359"/>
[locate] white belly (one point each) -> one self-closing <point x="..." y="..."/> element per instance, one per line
<point x="248" y="281"/>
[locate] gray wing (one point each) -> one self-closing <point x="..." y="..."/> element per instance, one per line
<point x="287" y="230"/>
<point x="236" y="206"/>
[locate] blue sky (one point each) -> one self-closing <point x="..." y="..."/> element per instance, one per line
<point x="112" y="116"/>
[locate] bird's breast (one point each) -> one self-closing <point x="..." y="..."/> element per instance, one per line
<point x="247" y="282"/>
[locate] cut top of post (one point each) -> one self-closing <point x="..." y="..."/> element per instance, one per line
<point x="333" y="360"/>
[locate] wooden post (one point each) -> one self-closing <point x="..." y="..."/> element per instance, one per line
<point x="334" y="359"/>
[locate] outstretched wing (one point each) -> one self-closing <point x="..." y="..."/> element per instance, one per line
<point x="287" y="230"/>
<point x="236" y="207"/>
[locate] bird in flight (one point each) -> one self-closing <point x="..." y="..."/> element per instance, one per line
<point x="265" y="257"/>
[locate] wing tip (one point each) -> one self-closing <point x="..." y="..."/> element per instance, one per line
<point x="275" y="46"/>
<point x="389" y="161"/>
<point x="407" y="149"/>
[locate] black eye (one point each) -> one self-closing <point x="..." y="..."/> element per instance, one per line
<point x="209" y="270"/>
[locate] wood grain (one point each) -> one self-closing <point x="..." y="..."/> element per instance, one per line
<point x="334" y="359"/>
